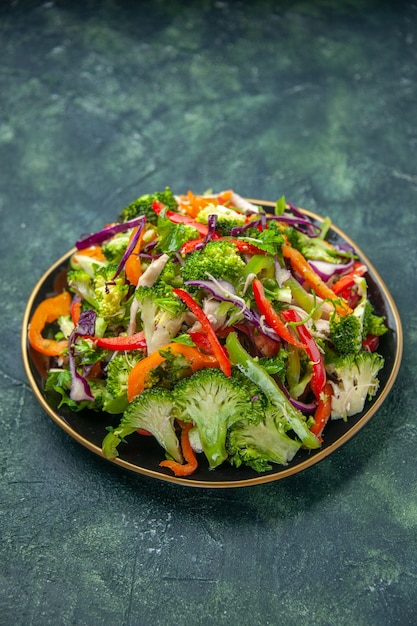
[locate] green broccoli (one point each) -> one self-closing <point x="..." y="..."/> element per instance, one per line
<point x="260" y="444"/>
<point x="250" y="367"/>
<point x="373" y="324"/>
<point x="354" y="379"/>
<point x="212" y="402"/>
<point x="345" y="333"/>
<point x="226" y="218"/>
<point x="152" y="410"/>
<point x="117" y="372"/>
<point x="81" y="283"/>
<point x="110" y="293"/>
<point x="161" y="312"/>
<point x="114" y="248"/>
<point x="170" y="275"/>
<point x="103" y="399"/>
<point x="219" y="259"/>
<point x="143" y="206"/>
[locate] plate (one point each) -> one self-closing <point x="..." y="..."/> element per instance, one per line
<point x="142" y="454"/>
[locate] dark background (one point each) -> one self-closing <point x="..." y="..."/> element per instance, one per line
<point x="103" y="101"/>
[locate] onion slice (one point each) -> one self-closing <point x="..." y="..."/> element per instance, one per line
<point x="326" y="270"/>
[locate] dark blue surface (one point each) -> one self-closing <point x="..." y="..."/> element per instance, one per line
<point x="101" y="102"/>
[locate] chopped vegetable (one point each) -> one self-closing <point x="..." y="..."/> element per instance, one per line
<point x="217" y="349"/>
<point x="47" y="312"/>
<point x="229" y="334"/>
<point x="191" y="462"/>
<point x="137" y="377"/>
<point x="306" y="272"/>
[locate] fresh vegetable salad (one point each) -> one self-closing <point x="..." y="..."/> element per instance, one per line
<point x="229" y="334"/>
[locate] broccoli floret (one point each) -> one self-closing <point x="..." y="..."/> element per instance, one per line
<point x="170" y="275"/>
<point x="219" y="259"/>
<point x="162" y="314"/>
<point x="345" y="333"/>
<point x="226" y="218"/>
<point x="114" y="248"/>
<point x="110" y="293"/>
<point x="373" y="324"/>
<point x="152" y="410"/>
<point x="292" y="418"/>
<point x="315" y="248"/>
<point x="354" y="378"/>
<point x="81" y="283"/>
<point x="260" y="444"/>
<point x="117" y="371"/>
<point x="102" y="291"/>
<point x="143" y="206"/>
<point x="212" y="402"/>
<point x="103" y="399"/>
<point x="66" y="326"/>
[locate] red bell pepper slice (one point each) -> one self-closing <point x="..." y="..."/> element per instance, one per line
<point x="201" y="341"/>
<point x="217" y="349"/>
<point x="273" y="318"/>
<point x="318" y="378"/>
<point x="192" y="244"/>
<point x="177" y="218"/>
<point x="370" y="343"/>
<point x="242" y="246"/>
<point x="323" y="411"/>
<point x="346" y="281"/>
<point x="136" y="341"/>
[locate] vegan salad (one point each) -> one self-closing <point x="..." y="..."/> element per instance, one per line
<point x="228" y="333"/>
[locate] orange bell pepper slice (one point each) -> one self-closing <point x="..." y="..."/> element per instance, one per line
<point x="137" y="376"/>
<point x="191" y="464"/>
<point x="133" y="266"/>
<point x="47" y="312"/>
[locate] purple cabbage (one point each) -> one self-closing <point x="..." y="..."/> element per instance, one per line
<point x="303" y="224"/>
<point x="108" y="232"/>
<point x="224" y="291"/>
<point x="129" y="249"/>
<point x="80" y="389"/>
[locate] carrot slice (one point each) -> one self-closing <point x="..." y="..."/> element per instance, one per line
<point x="302" y="267"/>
